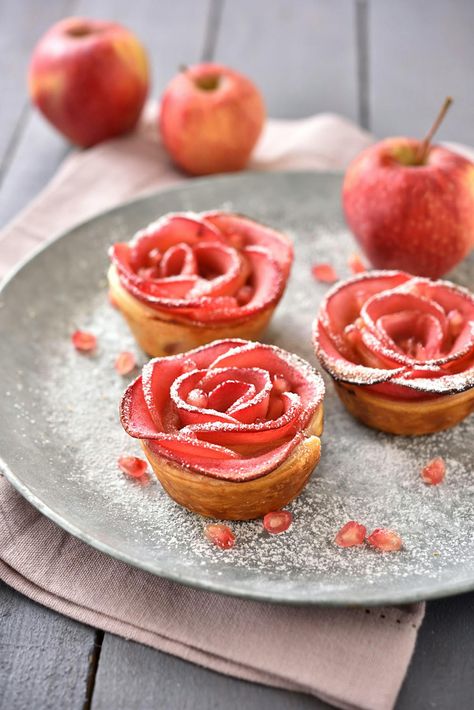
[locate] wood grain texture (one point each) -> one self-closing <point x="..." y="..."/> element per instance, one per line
<point x="39" y="152"/>
<point x="138" y="677"/>
<point x="21" y="25"/>
<point x="44" y="657"/>
<point x="419" y="52"/>
<point x="441" y="674"/>
<point x="301" y="54"/>
<point x="174" y="33"/>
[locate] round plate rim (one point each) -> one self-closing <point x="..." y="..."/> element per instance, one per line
<point x="420" y="592"/>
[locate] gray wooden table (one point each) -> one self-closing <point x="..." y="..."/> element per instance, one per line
<point x="384" y="63"/>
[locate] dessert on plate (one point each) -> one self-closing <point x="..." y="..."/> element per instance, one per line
<point x="231" y="429"/>
<point x="189" y="279"/>
<point x="400" y="350"/>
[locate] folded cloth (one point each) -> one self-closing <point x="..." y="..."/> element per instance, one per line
<point x="353" y="658"/>
<point x="97" y="179"/>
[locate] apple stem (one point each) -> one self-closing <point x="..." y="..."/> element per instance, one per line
<point x="425" y="146"/>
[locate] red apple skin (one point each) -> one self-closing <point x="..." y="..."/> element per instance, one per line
<point x="89" y="78"/>
<point x="417" y="218"/>
<point x="211" y="130"/>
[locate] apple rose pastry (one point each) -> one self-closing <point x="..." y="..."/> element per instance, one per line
<point x="189" y="279"/>
<point x="400" y="350"/>
<point x="231" y="429"/>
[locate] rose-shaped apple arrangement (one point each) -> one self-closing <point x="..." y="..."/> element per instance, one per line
<point x="189" y="279"/>
<point x="400" y="350"/>
<point x="231" y="429"/>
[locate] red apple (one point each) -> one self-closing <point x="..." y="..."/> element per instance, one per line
<point x="411" y="215"/>
<point x="210" y="119"/>
<point x="89" y="78"/>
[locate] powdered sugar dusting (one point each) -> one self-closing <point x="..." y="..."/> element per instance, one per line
<point x="421" y="293"/>
<point x="62" y="413"/>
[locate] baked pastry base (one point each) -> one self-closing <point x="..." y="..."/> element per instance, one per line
<point x="238" y="500"/>
<point x="159" y="336"/>
<point x="241" y="500"/>
<point x="405" y="417"/>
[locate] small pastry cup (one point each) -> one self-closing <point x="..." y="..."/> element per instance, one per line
<point x="405" y="417"/>
<point x="159" y="336"/>
<point x="241" y="500"/>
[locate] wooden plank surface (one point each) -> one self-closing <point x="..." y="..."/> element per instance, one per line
<point x="133" y="676"/>
<point x="44" y="657"/>
<point x="21" y="25"/>
<point x="174" y="33"/>
<point x="307" y="56"/>
<point x="419" y="52"/>
<point x="441" y="675"/>
<point x="301" y="54"/>
<point x="38" y="153"/>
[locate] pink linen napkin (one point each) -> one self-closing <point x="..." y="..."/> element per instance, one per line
<point x="353" y="658"/>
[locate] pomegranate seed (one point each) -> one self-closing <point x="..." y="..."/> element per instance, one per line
<point x="356" y="265"/>
<point x="280" y="384"/>
<point x="154" y="257"/>
<point x="189" y="364"/>
<point x="385" y="540"/>
<point x="132" y="466"/>
<point x="352" y="334"/>
<point x="420" y="352"/>
<point x="277" y="522"/>
<point x="220" y="535"/>
<point x="148" y="273"/>
<point x="197" y="398"/>
<point x="244" y="294"/>
<point x="125" y="362"/>
<point x="434" y="471"/>
<point x="351" y="534"/>
<point x="83" y="341"/>
<point x="324" y="272"/>
<point x="455" y="322"/>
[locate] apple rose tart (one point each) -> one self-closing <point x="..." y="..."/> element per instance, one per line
<point x="231" y="429"/>
<point x="189" y="279"/>
<point x="400" y="350"/>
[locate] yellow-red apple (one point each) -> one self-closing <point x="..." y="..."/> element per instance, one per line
<point x="89" y="78"/>
<point x="210" y="119"/>
<point x="408" y="213"/>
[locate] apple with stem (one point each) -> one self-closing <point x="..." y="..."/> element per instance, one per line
<point x="210" y="119"/>
<point x="410" y="204"/>
<point x="89" y="78"/>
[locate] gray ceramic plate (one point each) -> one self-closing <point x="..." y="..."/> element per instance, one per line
<point x="60" y="436"/>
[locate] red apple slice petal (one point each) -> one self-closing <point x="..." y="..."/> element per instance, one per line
<point x="192" y="268"/>
<point x="256" y="434"/>
<point x="178" y="260"/>
<point x="170" y="230"/>
<point x="237" y="468"/>
<point x="398" y="335"/>
<point x="134" y="413"/>
<point x="214" y="418"/>
<point x="254" y="234"/>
